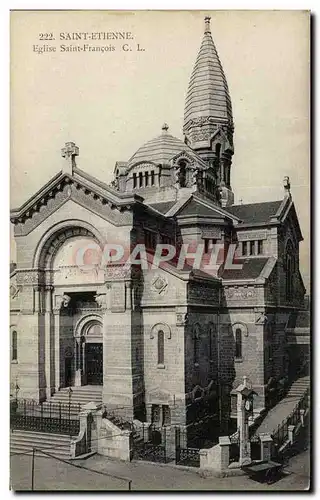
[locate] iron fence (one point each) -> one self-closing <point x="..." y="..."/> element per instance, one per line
<point x="234" y="450"/>
<point x="56" y="418"/>
<point x="186" y="455"/>
<point x="154" y="448"/>
<point x="281" y="435"/>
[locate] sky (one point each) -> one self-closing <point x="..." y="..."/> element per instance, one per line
<point x="111" y="103"/>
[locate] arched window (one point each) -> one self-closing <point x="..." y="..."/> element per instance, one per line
<point x="14" y="350"/>
<point x="140" y="179"/>
<point x="182" y="174"/>
<point x="238" y="343"/>
<point x="212" y="342"/>
<point x="152" y="177"/>
<point x="146" y="178"/>
<point x="217" y="159"/>
<point x="196" y="345"/>
<point x="289" y="269"/>
<point x="160" y="347"/>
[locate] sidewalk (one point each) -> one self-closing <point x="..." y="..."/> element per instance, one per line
<point x="52" y="475"/>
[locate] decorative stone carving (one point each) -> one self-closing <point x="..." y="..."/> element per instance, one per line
<point x="262" y="319"/>
<point x="65" y="300"/>
<point x="117" y="272"/>
<point x="243" y="293"/>
<point x="61" y="301"/>
<point x="101" y="300"/>
<point x="159" y="284"/>
<point x="181" y="319"/>
<point x="28" y="277"/>
<point x="14" y="291"/>
<point x="252" y="235"/>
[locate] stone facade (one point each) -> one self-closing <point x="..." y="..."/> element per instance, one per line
<point x="160" y="341"/>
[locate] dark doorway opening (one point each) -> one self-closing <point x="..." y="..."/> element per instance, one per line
<point x="94" y="363"/>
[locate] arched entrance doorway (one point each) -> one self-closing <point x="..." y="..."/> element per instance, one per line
<point x="89" y="351"/>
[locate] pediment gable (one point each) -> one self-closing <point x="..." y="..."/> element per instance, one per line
<point x="79" y="187"/>
<point x="198" y="207"/>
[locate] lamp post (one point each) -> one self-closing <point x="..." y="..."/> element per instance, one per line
<point x="244" y="410"/>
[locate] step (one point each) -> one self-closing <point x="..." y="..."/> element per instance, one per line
<point x="39" y="435"/>
<point x="77" y="397"/>
<point x="23" y="441"/>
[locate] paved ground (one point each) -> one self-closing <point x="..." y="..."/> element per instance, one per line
<point x="50" y="474"/>
<point x="277" y="414"/>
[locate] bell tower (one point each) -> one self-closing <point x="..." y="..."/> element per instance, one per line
<point x="208" y="122"/>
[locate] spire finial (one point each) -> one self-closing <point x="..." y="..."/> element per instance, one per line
<point x="165" y="128"/>
<point x="207" y="24"/>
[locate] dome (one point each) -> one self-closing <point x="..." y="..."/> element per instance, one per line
<point x="160" y="150"/>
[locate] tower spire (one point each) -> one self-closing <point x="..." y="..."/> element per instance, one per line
<point x="208" y="120"/>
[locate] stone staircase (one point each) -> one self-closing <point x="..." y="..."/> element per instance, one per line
<point x="299" y="387"/>
<point x="284" y="407"/>
<point x="79" y="395"/>
<point x="22" y="441"/>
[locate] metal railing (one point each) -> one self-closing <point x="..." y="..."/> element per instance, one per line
<point x="280" y="435"/>
<point x="56" y="418"/>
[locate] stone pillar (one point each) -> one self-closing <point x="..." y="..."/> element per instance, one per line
<point x="224" y="443"/>
<point x="49" y="355"/>
<point x="266" y="446"/>
<point x="31" y="376"/>
<point x="291" y="433"/>
<point x="57" y="349"/>
<point x="59" y="301"/>
<point x="36" y="291"/>
<point x="77" y="376"/>
<point x="243" y="426"/>
<point x="170" y="443"/>
<point x="302" y="417"/>
<point x="122" y="333"/>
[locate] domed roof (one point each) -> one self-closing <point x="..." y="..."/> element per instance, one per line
<point x="161" y="149"/>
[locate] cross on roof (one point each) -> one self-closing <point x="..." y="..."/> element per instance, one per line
<point x="70" y="149"/>
<point x="69" y="153"/>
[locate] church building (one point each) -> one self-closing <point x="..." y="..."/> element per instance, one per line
<point x="159" y="343"/>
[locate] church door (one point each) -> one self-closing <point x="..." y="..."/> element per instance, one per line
<point x="94" y="363"/>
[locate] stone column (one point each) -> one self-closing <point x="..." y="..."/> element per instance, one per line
<point x="170" y="443"/>
<point x="59" y="301"/>
<point x="224" y="443"/>
<point x="266" y="446"/>
<point x="77" y="349"/>
<point x="291" y="433"/>
<point x="57" y="349"/>
<point x="49" y="358"/>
